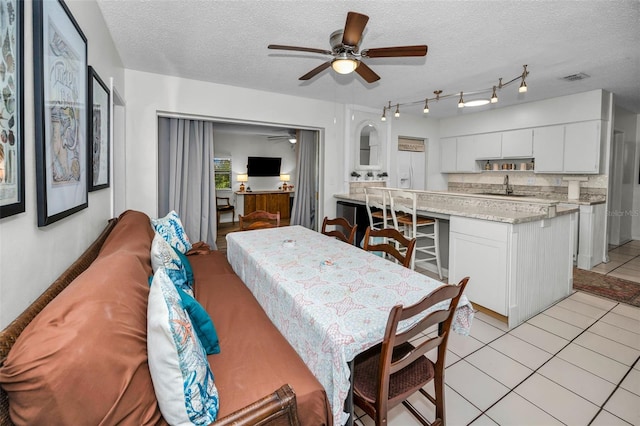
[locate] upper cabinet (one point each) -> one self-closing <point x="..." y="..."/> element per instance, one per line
<point x="458" y="155"/>
<point x="517" y="143"/>
<point x="569" y="148"/>
<point x="566" y="148"/>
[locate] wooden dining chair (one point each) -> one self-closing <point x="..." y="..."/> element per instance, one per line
<point x="343" y="230"/>
<point x="259" y="219"/>
<point x="388" y="373"/>
<point x="224" y="206"/>
<point x="394" y="244"/>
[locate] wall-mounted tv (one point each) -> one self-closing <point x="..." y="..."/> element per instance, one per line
<point x="263" y="166"/>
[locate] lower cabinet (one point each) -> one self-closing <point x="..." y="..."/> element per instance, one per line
<point x="271" y="202"/>
<point x="515" y="270"/>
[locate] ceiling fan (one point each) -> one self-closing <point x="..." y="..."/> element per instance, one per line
<point x="290" y="137"/>
<point x="345" y="46"/>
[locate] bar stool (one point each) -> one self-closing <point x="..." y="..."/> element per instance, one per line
<point x="423" y="229"/>
<point x="377" y="198"/>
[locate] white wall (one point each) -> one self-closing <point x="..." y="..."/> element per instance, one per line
<point x="148" y="94"/>
<point x="564" y="109"/>
<point x="31" y="257"/>
<point x="241" y="146"/>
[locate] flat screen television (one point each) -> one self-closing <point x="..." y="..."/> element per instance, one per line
<point x="263" y="166"/>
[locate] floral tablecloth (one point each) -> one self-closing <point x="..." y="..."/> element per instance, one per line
<point x="329" y="299"/>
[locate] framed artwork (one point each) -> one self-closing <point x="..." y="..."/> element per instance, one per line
<point x="11" y="108"/>
<point x="99" y="124"/>
<point x="60" y="95"/>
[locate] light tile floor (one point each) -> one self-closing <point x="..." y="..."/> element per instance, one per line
<point x="577" y="363"/>
<point x="624" y="262"/>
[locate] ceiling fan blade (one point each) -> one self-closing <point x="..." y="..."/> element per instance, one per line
<point x="316" y="71"/>
<point x="367" y="73"/>
<point x="394" y="52"/>
<point x="299" y="49"/>
<point x="353" y="28"/>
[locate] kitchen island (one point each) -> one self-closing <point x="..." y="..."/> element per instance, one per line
<point x="517" y="250"/>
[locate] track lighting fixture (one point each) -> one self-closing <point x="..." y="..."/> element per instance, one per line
<point x="523" y="85"/>
<point x="384" y="114"/>
<point x="470" y="103"/>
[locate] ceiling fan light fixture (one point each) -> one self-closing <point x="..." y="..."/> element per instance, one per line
<point x="293" y="140"/>
<point x="344" y="65"/>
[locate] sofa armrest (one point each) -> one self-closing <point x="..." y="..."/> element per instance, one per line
<point x="276" y="409"/>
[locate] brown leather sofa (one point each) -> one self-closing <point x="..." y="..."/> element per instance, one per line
<point x="78" y="354"/>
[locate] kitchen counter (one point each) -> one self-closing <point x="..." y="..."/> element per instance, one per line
<point x="517" y="251"/>
<point x="496" y="208"/>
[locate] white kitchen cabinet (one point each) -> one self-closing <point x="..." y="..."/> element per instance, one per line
<point x="582" y="147"/>
<point x="466" y="155"/>
<point x="448" y="155"/>
<point x="517" y="143"/>
<point x="548" y="149"/>
<point x="569" y="148"/>
<point x="478" y="249"/>
<point x="516" y="270"/>
<point x="489" y="146"/>
<point x="458" y="155"/>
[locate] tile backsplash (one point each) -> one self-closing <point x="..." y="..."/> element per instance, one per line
<point x="526" y="182"/>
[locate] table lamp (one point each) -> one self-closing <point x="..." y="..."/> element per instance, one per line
<point x="285" y="179"/>
<point x="242" y="179"/>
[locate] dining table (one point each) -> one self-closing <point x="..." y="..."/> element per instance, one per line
<point x="330" y="300"/>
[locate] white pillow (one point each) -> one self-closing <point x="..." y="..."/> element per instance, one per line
<point x="171" y="229"/>
<point x="180" y="372"/>
<point x="164" y="256"/>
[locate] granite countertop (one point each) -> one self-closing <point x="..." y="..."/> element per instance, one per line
<point x="506" y="209"/>
<point x="585" y="199"/>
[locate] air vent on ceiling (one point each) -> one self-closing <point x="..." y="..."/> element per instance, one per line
<point x="575" y="77"/>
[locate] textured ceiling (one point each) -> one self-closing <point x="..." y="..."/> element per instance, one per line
<point x="471" y="44"/>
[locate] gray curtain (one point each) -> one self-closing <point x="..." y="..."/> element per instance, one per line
<point x="186" y="176"/>
<point x="304" y="204"/>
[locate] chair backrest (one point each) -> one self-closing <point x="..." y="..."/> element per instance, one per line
<point x="376" y="198"/>
<point x="389" y="247"/>
<point x="405" y="202"/>
<point x="347" y="232"/>
<point x="442" y="317"/>
<point x="225" y="199"/>
<point x="259" y="219"/>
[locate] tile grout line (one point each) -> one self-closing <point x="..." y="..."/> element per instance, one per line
<point x="511" y="390"/>
<point x="613" y="392"/>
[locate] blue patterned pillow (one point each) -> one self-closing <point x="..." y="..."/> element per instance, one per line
<point x="171" y="229"/>
<point x="165" y="256"/>
<point x="182" y="379"/>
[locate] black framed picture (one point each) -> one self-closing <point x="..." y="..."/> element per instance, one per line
<point x="11" y="108"/>
<point x="99" y="125"/>
<point x="60" y="95"/>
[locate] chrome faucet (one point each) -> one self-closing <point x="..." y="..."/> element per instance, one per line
<point x="507" y="188"/>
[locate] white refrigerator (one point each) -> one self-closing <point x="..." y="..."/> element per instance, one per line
<point x="411" y="169"/>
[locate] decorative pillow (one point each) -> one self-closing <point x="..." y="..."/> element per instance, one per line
<point x="165" y="256"/>
<point x="187" y="266"/>
<point x="202" y="323"/>
<point x="171" y="229"/>
<point x="180" y="372"/>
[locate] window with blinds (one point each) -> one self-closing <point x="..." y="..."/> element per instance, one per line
<point x="222" y="173"/>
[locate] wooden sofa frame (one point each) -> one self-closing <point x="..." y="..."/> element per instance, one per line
<point x="276" y="409"/>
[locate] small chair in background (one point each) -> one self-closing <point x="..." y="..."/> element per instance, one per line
<point x="223" y="206"/>
<point x="390" y="372"/>
<point x="343" y="229"/>
<point x="395" y="244"/>
<point x="259" y="219"/>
